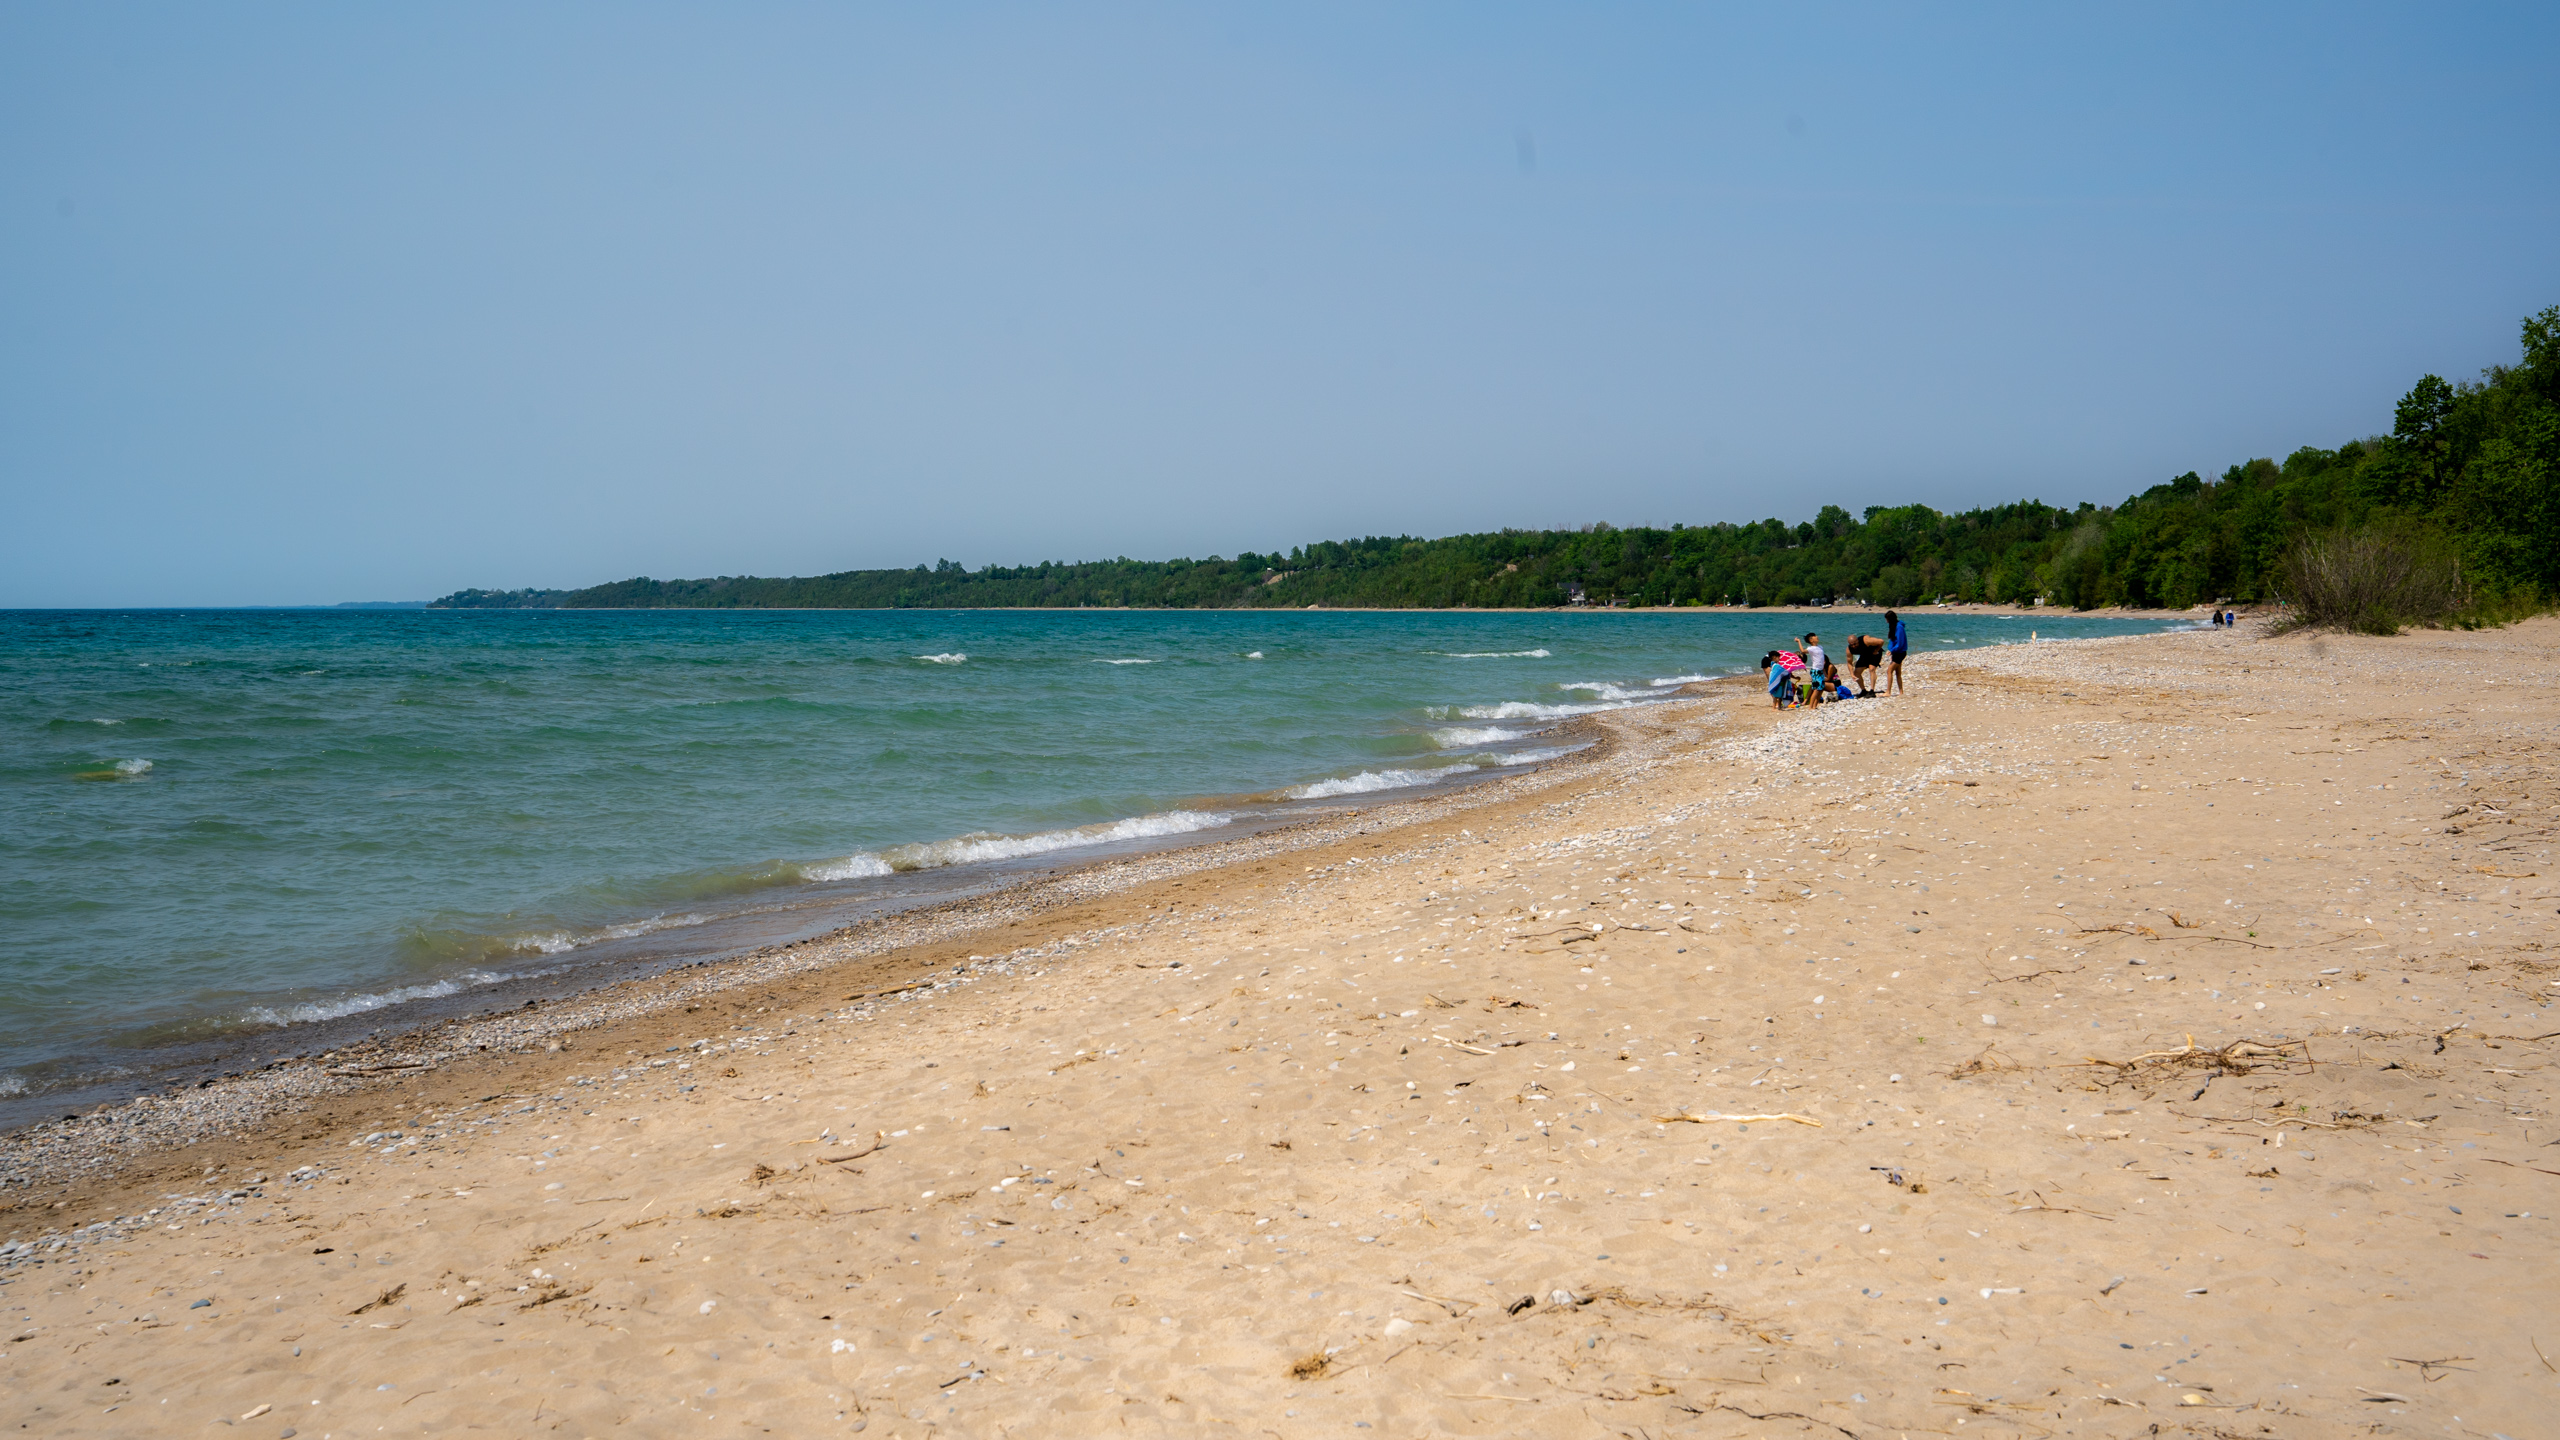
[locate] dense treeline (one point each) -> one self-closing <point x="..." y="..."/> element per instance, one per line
<point x="2472" y="465"/>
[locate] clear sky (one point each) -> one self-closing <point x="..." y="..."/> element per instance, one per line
<point x="339" y="302"/>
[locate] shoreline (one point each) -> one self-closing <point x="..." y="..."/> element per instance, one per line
<point x="958" y="887"/>
<point x="223" y="1076"/>
<point x="1748" y="1067"/>
<point x="224" y="1050"/>
<point x="1967" y="607"/>
<point x="104" y="1136"/>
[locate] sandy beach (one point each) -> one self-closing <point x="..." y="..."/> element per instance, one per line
<point x="2120" y="1037"/>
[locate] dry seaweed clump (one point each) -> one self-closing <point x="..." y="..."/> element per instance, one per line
<point x="1310" y="1366"/>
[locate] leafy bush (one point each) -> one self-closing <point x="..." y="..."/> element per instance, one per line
<point x="2371" y="580"/>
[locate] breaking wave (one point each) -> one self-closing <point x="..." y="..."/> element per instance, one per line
<point x="1367" y="782"/>
<point x="982" y="847"/>
<point x="561" y="942"/>
<point x="311" y="1012"/>
<point x="954" y="658"/>
<point x="1544" y="753"/>
<point x="1516" y="710"/>
<point x="1474" y="735"/>
<point x="1538" y="654"/>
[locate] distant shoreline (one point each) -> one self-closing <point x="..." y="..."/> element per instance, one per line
<point x="2017" y="612"/>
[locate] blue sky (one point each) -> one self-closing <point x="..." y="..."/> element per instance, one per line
<point x="375" y="302"/>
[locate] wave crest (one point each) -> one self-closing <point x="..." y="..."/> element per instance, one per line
<point x="560" y="942"/>
<point x="982" y="847"/>
<point x="310" y="1012"/>
<point x="953" y="658"/>
<point x="1544" y="753"/>
<point x="1540" y="653"/>
<point x="1366" y="782"/>
<point x="1521" y="710"/>
<point x="1474" y="735"/>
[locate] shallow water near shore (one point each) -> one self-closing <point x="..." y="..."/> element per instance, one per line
<point x="218" y="827"/>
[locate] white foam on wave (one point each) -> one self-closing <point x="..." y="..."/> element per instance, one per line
<point x="1253" y="654"/>
<point x="982" y="847"/>
<point x="1606" y="690"/>
<point x="1474" y="735"/>
<point x="1540" y="653"/>
<point x="851" y="867"/>
<point x="560" y="942"/>
<point x="133" y="767"/>
<point x="1366" y="782"/>
<point x="1124" y="662"/>
<point x="106" y="722"/>
<point x="1668" y="680"/>
<point x="313" y="1011"/>
<point x="11" y="1086"/>
<point x="953" y="658"/>
<point x="1522" y="710"/>
<point x="1544" y="753"/>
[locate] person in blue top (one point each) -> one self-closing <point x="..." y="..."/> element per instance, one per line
<point x="1897" y="641"/>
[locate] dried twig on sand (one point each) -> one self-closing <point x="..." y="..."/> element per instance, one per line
<point x="2121" y="927"/>
<point x="1738" y="1119"/>
<point x="1998" y="979"/>
<point x="1787" y="1414"/>
<point x="1989" y="1062"/>
<point x="385" y="1298"/>
<point x="2240" y="1057"/>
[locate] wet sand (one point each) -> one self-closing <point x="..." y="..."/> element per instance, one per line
<point x="2144" y="1032"/>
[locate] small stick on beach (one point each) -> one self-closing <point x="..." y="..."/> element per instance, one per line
<point x="877" y="1142"/>
<point x="1738" y="1119"/>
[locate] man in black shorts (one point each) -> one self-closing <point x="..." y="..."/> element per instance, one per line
<point x="1866" y="656"/>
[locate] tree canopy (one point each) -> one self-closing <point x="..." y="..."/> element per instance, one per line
<point x="2477" y="462"/>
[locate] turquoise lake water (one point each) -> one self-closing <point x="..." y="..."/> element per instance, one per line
<point x="221" y="828"/>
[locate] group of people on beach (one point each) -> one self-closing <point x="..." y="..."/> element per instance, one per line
<point x="2225" y="617"/>
<point x="1810" y="677"/>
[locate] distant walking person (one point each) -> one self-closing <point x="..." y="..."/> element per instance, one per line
<point x="1897" y="640"/>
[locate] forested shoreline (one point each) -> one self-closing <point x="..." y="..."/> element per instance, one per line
<point x="2468" y="468"/>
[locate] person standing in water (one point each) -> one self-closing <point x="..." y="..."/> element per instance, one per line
<point x="1897" y="642"/>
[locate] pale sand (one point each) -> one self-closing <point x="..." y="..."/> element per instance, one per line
<point x="1278" y="1113"/>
